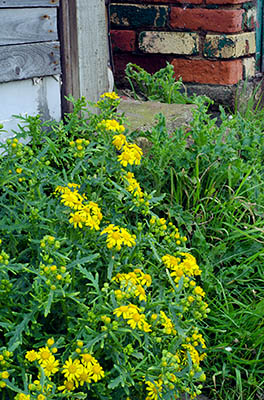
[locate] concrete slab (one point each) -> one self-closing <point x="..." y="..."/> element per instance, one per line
<point x="141" y="114"/>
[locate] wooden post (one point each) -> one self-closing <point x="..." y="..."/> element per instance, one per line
<point x="85" y="52"/>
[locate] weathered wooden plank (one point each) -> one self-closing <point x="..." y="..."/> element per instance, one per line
<point x="29" y="60"/>
<point x="28" y="3"/>
<point x="85" y="53"/>
<point x="93" y="51"/>
<point x="69" y="53"/>
<point x="30" y="26"/>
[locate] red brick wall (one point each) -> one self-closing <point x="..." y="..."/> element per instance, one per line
<point x="207" y="41"/>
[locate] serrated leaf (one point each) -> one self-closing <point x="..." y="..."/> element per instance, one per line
<point x="115" y="382"/>
<point x="16" y="339"/>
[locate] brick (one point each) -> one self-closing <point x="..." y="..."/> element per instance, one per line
<point x="169" y="42"/>
<point x="230" y="46"/>
<point x="123" y="40"/>
<point x="210" y="72"/>
<point x="220" y="2"/>
<point x="249" y="67"/>
<point x="138" y="16"/>
<point x="226" y="21"/>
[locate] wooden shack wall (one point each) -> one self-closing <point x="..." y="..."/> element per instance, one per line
<point x="30" y="67"/>
<point x="50" y="49"/>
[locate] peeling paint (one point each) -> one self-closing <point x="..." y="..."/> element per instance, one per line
<point x="230" y="46"/>
<point x="43" y="98"/>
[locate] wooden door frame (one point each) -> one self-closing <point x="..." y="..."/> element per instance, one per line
<point x="84" y="50"/>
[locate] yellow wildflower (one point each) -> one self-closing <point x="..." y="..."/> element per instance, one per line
<point x="119" y="141"/>
<point x="23" y="396"/>
<point x="131" y="154"/>
<point x="77" y="219"/>
<point x="85" y="376"/>
<point x="88" y="360"/>
<point x="154" y="389"/>
<point x="43" y="354"/>
<point x="50" y="366"/>
<point x="67" y="387"/>
<point x="72" y="199"/>
<point x="110" y="95"/>
<point x="72" y="369"/>
<point x="116" y="237"/>
<point x="133" y="186"/>
<point x="97" y="372"/>
<point x="31" y="355"/>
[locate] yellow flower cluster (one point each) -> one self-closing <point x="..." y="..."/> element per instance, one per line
<point x="194" y="354"/>
<point x="23" y="396"/>
<point x="80" y="371"/>
<point x="45" y="357"/>
<point x="119" y="141"/>
<point x="131" y="313"/>
<point x="116" y="237"/>
<point x="111" y="125"/>
<point x="196" y="339"/>
<point x="133" y="185"/>
<point x="183" y="265"/>
<point x="70" y="196"/>
<point x="131" y="284"/>
<point x="108" y="101"/>
<point x="110" y="95"/>
<point x="86" y="214"/>
<point x="79" y="146"/>
<point x="49" y="243"/>
<point x="131" y="154"/>
<point x="167" y="324"/>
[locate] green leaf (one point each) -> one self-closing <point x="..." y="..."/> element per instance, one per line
<point x="16" y="338"/>
<point x="115" y="382"/>
<point x="84" y="260"/>
<point x="48" y="305"/>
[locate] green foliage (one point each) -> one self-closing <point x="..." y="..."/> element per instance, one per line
<point x="100" y="297"/>
<point x="159" y="86"/>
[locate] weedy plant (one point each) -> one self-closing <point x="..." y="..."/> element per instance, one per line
<point x="100" y="296"/>
<point x="160" y="86"/>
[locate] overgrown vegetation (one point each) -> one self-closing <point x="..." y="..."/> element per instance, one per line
<point x="100" y="296"/>
<point x="213" y="177"/>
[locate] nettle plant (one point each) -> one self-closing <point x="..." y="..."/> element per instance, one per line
<point x="100" y="297"/>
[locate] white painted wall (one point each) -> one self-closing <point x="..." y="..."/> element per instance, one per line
<point x="31" y="97"/>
